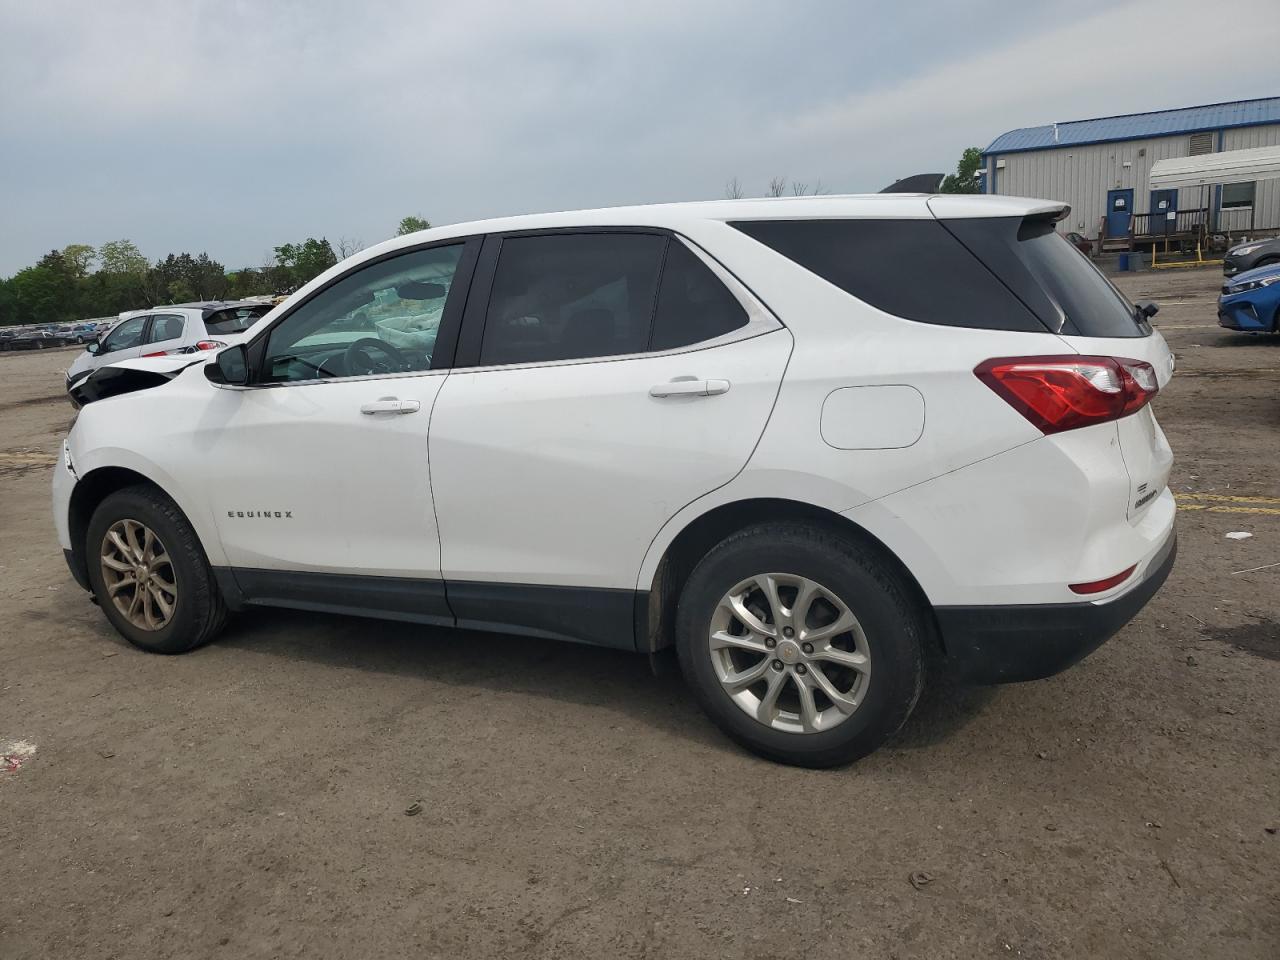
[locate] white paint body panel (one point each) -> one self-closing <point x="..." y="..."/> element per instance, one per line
<point x="887" y="417"/>
<point x="562" y="474"/>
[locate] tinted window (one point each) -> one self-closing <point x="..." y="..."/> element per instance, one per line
<point x="693" y="305"/>
<point x="127" y="334"/>
<point x="234" y="319"/>
<point x="1056" y="281"/>
<point x="381" y="319"/>
<point x="910" y="268"/>
<point x="570" y="296"/>
<point x="165" y="326"/>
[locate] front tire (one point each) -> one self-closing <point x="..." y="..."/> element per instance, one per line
<point x="801" y="644"/>
<point x="149" y="573"/>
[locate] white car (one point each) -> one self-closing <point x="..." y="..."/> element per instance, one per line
<point x="182" y="328"/>
<point x="807" y="442"/>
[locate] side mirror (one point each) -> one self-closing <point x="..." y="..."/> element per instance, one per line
<point x="93" y="347"/>
<point x="1148" y="308"/>
<point x="231" y="366"/>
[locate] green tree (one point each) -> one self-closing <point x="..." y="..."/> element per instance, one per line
<point x="965" y="179"/>
<point x="8" y="304"/>
<point x="44" y="293"/>
<point x="78" y="257"/>
<point x="305" y="261"/>
<point x="122" y="256"/>
<point x="413" y="224"/>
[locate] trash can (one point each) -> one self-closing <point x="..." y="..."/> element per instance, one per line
<point x="1123" y="265"/>
<point x="1136" y="261"/>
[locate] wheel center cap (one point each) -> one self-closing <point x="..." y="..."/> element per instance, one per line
<point x="789" y="651"/>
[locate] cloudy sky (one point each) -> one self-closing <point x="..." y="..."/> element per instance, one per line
<point x="230" y="126"/>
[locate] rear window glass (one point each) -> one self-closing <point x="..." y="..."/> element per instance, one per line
<point x="234" y="319"/>
<point x="1058" y="282"/>
<point x="914" y="269"/>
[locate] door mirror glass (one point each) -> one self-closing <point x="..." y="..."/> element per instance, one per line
<point x="92" y="348"/>
<point x="231" y="366"/>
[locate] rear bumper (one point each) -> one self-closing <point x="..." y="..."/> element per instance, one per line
<point x="1006" y="644"/>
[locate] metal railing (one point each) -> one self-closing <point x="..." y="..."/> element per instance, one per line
<point x="1160" y="224"/>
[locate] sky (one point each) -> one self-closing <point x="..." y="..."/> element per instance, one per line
<point x="232" y="126"/>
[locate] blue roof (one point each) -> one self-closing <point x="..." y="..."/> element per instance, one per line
<point x="1139" y="126"/>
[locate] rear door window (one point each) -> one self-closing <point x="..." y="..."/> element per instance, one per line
<point x="913" y="269"/>
<point x="572" y="296"/>
<point x="693" y="305"/>
<point x="165" y="326"/>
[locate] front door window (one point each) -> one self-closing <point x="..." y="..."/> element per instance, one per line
<point x="125" y="336"/>
<point x="382" y="319"/>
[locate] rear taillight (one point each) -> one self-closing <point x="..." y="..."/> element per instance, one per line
<point x="1062" y="393"/>
<point x="210" y="345"/>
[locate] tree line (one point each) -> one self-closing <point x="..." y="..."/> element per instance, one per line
<point x="80" y="281"/>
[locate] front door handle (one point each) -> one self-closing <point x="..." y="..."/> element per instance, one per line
<point x="390" y="405"/>
<point x="682" y="387"/>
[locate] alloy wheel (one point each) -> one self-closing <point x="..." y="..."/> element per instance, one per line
<point x="138" y="574"/>
<point x="790" y="653"/>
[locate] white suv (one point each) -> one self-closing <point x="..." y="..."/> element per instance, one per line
<point x="181" y="328"/>
<point x="807" y="442"/>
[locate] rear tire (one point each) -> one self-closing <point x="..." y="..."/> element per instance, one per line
<point x="820" y="582"/>
<point x="149" y="573"/>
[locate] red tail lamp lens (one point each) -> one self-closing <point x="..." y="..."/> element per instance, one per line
<point x="1098" y="586"/>
<point x="1065" y="392"/>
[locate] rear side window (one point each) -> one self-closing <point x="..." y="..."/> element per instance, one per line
<point x="165" y="326"/>
<point x="693" y="305"/>
<point x="572" y="296"/>
<point x="1059" y="283"/>
<point x="234" y="319"/>
<point x="914" y="269"/>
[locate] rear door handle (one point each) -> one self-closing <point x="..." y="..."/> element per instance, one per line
<point x="690" y="388"/>
<point x="390" y="405"/>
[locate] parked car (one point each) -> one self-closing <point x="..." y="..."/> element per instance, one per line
<point x="80" y="333"/>
<point x="6" y="337"/>
<point x="742" y="429"/>
<point x="1250" y="301"/>
<point x="179" y="329"/>
<point x="36" y="340"/>
<point x="1251" y="254"/>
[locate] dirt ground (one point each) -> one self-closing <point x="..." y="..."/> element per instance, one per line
<point x="249" y="800"/>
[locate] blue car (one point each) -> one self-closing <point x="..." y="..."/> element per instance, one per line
<point x="1250" y="301"/>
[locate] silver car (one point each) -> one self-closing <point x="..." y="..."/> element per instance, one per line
<point x="180" y="328"/>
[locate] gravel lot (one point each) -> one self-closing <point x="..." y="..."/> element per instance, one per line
<point x="249" y="800"/>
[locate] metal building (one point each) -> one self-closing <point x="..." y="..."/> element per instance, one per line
<point x="1101" y="168"/>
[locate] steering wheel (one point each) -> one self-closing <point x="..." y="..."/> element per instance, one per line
<point x="359" y="363"/>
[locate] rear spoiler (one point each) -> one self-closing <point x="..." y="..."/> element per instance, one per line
<point x="917" y="183"/>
